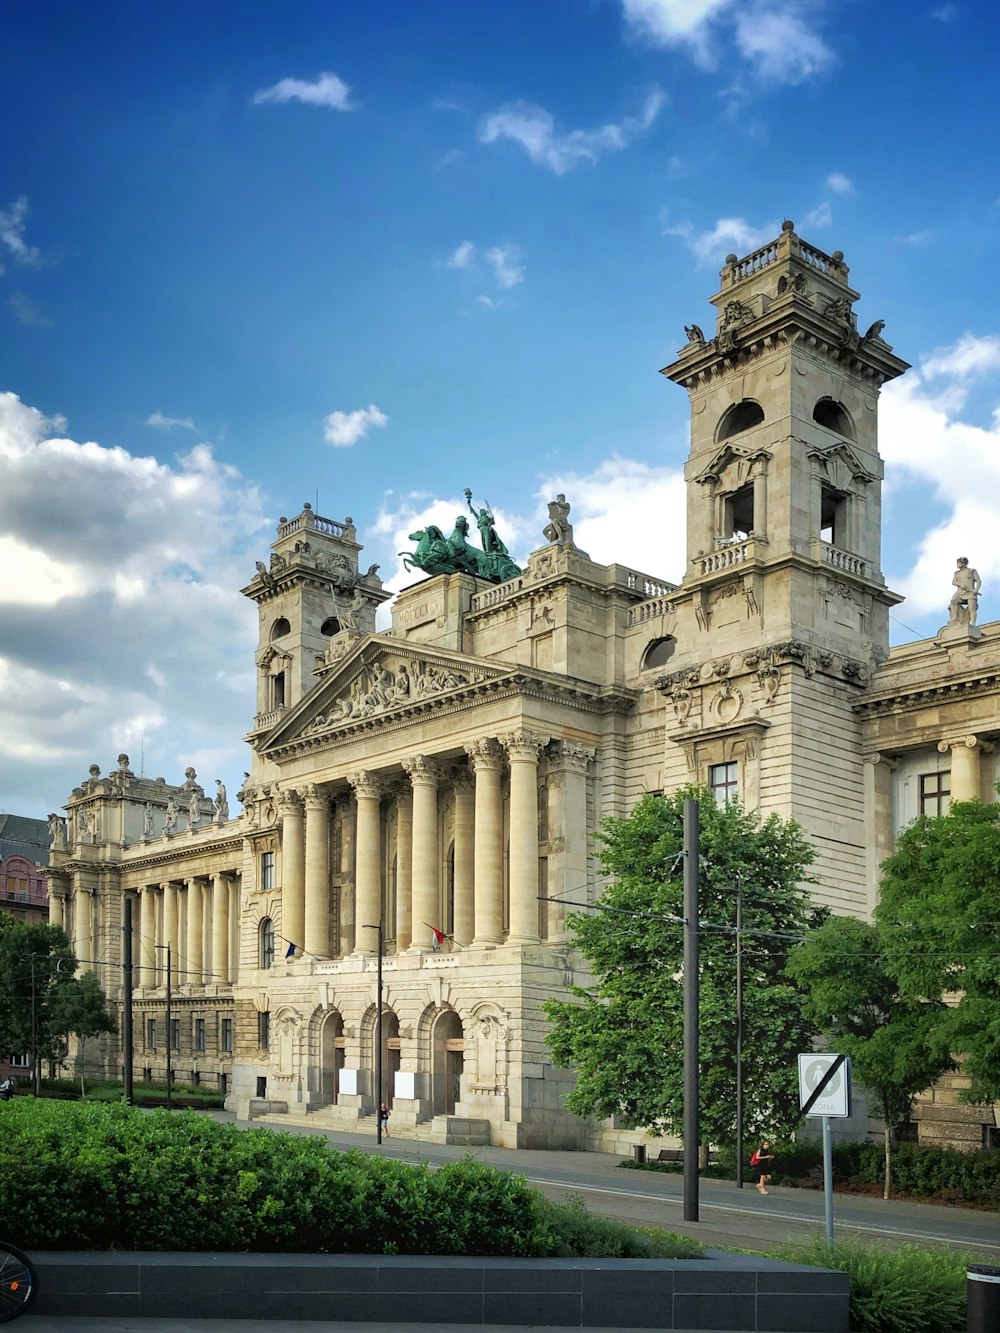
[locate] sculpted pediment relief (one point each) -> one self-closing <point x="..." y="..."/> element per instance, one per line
<point x="841" y="466"/>
<point x="377" y="679"/>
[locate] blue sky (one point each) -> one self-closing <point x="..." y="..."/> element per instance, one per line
<point x="367" y="253"/>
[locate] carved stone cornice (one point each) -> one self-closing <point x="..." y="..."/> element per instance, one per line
<point x="766" y="660"/>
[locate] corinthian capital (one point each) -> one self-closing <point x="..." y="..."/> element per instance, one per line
<point x="421" y="769"/>
<point x="484" y="753"/>
<point x="367" y="783"/>
<point x="524" y="745"/>
<point x="575" y="757"/>
<point x="314" y="796"/>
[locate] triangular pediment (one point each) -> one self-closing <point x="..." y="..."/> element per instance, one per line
<point x="732" y="459"/>
<point x="382" y="677"/>
<point x="841" y="465"/>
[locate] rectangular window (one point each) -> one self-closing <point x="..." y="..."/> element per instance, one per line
<point x="264" y="1030"/>
<point x="199" y="1034"/>
<point x="267" y="870"/>
<point x="151" y="1033"/>
<point x="20" y="1061"/>
<point x="226" y="1034"/>
<point x="935" y="793"/>
<point x="223" y="1083"/>
<point x="175" y="1034"/>
<point x="723" y="780"/>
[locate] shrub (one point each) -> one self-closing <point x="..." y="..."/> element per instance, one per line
<point x="86" y="1176"/>
<point x="573" y="1232"/>
<point x="909" y="1290"/>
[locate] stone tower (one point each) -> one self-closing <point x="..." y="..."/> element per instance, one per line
<point x="782" y="614"/>
<point x="312" y="601"/>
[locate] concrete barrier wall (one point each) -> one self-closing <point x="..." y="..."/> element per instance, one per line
<point x="728" y="1292"/>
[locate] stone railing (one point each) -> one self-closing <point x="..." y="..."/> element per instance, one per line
<point x="496" y="595"/>
<point x="315" y="523"/>
<point x="845" y="561"/>
<point x="736" y="553"/>
<point x="651" y="610"/>
<point x="636" y="582"/>
<point x="264" y="721"/>
<point x="743" y="268"/>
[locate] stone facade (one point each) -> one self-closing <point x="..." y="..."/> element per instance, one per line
<point x="434" y="787"/>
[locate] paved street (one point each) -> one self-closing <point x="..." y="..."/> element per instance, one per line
<point x="730" y="1218"/>
<point x="267" y="1326"/>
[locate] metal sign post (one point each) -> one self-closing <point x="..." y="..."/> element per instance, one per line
<point x="825" y="1091"/>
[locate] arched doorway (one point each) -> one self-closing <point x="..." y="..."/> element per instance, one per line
<point x="332" y="1063"/>
<point x="449" y="1060"/>
<point x="390" y="1057"/>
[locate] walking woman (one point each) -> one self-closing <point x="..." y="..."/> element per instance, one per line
<point x="762" y="1160"/>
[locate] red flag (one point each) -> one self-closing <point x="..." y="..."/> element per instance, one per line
<point x="439" y="935"/>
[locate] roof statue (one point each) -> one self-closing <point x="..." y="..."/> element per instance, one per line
<point x="437" y="554"/>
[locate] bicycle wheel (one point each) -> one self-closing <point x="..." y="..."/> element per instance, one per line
<point x="18" y="1283"/>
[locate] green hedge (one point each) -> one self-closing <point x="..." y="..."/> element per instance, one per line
<point x="905" y="1290"/>
<point x="84" y="1176"/>
<point x="918" y="1170"/>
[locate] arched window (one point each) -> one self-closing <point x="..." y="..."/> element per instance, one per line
<point x="265" y="940"/>
<point x="738" y="418"/>
<point x="834" y="416"/>
<point x="280" y="628"/>
<point x="330" y="627"/>
<point x="658" y="652"/>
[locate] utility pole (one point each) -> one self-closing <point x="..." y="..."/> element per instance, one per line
<point x="378" y="1039"/>
<point x="739" y="1034"/>
<point x="170" y="1085"/>
<point x="692" y="1135"/>
<point x="35" y="1087"/>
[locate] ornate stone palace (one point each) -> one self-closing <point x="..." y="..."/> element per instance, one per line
<point x="435" y="785"/>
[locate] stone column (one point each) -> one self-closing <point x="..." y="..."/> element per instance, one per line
<point x="487" y="760"/>
<point x="347" y="896"/>
<point x="293" y="870"/>
<point x="147" y="936"/>
<point x="568" y="832"/>
<point x="234" y="925"/>
<point x="523" y="749"/>
<point x="463" y="925"/>
<point x="759" y="472"/>
<point x="424" y="774"/>
<point x="317" y="872"/>
<point x="83" y="922"/>
<point x="220" y="930"/>
<point x="878" y="769"/>
<point x="368" y="789"/>
<point x="965" y="777"/>
<point x="170" y="933"/>
<point x="404" y="870"/>
<point x="194" y="963"/>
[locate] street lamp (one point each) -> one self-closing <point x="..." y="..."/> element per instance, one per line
<point x="378" y="1039"/>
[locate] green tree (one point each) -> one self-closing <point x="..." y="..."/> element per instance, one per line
<point x="624" y="1033"/>
<point x="36" y="962"/>
<point x="894" y="1041"/>
<point x="938" y="914"/>
<point x="81" y="1008"/>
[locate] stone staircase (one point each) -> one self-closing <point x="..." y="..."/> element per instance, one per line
<point x="449" y="1129"/>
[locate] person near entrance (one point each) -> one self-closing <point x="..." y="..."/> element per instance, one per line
<point x="383" y="1117"/>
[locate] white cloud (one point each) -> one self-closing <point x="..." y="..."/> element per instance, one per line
<point x="486" y="302"/>
<point x="534" y="129"/>
<point x="969" y="357"/>
<point x="342" y="429"/>
<point x="463" y="256"/>
<point x="926" y="444"/>
<point x="169" y="423"/>
<point x="820" y="216"/>
<point x="111" y="562"/>
<point x="12" y="224"/>
<point x="29" y="312"/>
<point x="326" y="89"/>
<point x="728" y="234"/>
<point x="780" y="44"/>
<point x="773" y="35"/>
<point x="503" y="260"/>
<point x="839" y="183"/>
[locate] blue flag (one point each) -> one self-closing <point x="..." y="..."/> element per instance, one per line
<point x="290" y="951"/>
